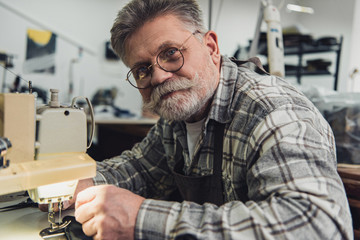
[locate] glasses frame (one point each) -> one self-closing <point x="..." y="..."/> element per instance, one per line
<point x="157" y="63"/>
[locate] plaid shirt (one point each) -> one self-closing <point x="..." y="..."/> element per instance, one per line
<point x="279" y="168"/>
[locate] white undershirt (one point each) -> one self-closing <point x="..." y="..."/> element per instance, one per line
<point x="193" y="133"/>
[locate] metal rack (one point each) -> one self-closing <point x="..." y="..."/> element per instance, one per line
<point x="302" y="49"/>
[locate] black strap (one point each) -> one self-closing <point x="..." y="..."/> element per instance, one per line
<point x="217" y="164"/>
<point x="254" y="60"/>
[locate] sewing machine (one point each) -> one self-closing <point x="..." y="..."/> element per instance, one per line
<point x="43" y="150"/>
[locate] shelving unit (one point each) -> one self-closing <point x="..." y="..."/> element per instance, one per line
<point x="303" y="48"/>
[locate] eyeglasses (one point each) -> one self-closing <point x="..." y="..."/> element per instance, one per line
<point x="169" y="60"/>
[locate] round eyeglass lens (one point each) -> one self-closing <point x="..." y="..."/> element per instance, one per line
<point x="170" y="60"/>
<point x="139" y="77"/>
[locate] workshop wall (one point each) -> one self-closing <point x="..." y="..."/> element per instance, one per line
<point x="81" y="23"/>
<point x="354" y="60"/>
<point x="333" y="18"/>
<point x="86" y="24"/>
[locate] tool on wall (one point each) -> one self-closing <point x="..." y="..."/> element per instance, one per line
<point x="270" y="14"/>
<point x="6" y="60"/>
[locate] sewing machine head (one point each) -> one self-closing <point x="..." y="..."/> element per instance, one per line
<point x="48" y="153"/>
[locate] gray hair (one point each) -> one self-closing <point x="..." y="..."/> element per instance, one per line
<point x="137" y="12"/>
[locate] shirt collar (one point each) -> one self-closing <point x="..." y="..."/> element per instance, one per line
<point x="220" y="110"/>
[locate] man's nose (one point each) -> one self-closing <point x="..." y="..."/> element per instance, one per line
<point x="159" y="75"/>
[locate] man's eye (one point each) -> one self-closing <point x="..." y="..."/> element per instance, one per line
<point x="170" y="53"/>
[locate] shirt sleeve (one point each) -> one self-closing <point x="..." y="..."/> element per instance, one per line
<point x="142" y="170"/>
<point x="293" y="188"/>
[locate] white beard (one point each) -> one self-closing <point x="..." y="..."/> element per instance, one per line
<point x="182" y="105"/>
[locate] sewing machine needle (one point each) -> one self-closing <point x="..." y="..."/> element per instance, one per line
<point x="51" y="216"/>
<point x="60" y="207"/>
<point x="56" y="229"/>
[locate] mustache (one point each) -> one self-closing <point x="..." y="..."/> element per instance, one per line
<point x="168" y="87"/>
<point x="172" y="86"/>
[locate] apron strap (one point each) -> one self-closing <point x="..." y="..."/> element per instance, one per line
<point x="254" y="60"/>
<point x="217" y="164"/>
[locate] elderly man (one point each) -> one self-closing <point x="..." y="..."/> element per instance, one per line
<point x="235" y="154"/>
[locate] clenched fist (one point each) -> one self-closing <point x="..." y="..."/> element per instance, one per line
<point x="107" y="212"/>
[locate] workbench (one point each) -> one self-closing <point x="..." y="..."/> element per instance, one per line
<point x="25" y="223"/>
<point x="350" y="175"/>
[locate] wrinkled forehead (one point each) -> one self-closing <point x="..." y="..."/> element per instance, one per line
<point x="154" y="35"/>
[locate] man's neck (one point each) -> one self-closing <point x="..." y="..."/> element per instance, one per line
<point x="204" y="111"/>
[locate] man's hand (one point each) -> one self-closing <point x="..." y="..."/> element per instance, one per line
<point x="82" y="184"/>
<point x="108" y="212"/>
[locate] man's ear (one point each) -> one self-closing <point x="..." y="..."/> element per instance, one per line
<point x="211" y="42"/>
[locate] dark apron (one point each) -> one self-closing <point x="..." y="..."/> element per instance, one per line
<point x="206" y="188"/>
<point x="202" y="189"/>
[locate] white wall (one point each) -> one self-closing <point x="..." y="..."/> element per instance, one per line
<point x="354" y="59"/>
<point x="84" y="23"/>
<point x="332" y="18"/>
<point x="236" y="22"/>
<point x="87" y="23"/>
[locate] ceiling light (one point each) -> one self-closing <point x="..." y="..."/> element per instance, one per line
<point x="298" y="8"/>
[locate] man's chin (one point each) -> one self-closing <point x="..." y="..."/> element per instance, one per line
<point x="168" y="114"/>
<point x="178" y="108"/>
<point x="176" y="113"/>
